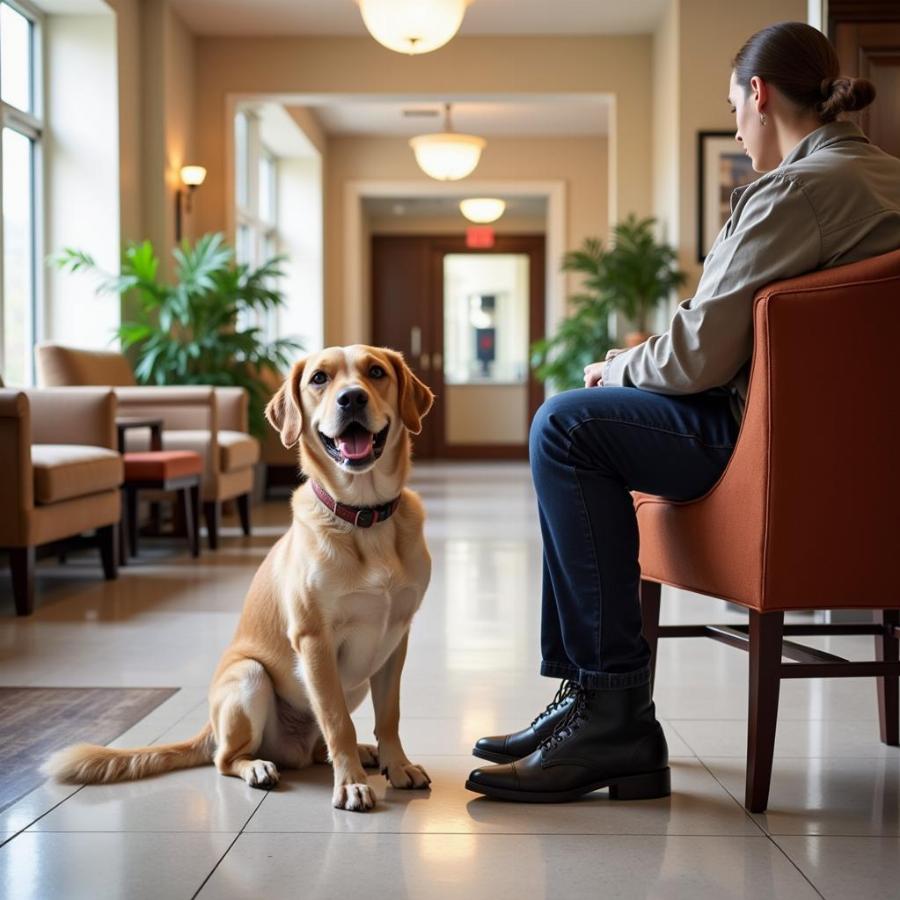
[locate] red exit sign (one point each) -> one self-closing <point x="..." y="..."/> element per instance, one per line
<point x="479" y="237"/>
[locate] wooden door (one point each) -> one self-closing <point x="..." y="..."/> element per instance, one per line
<point x="408" y="314"/>
<point x="867" y="38"/>
<point x="403" y="312"/>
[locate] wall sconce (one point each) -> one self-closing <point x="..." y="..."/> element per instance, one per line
<point x="191" y="177"/>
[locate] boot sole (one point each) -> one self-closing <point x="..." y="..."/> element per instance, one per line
<point x="647" y="786"/>
<point x="491" y="756"/>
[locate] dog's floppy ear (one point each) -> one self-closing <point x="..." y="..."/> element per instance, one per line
<point x="283" y="411"/>
<point x="413" y="397"/>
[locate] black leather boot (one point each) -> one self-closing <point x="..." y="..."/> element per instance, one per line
<point x="609" y="738"/>
<point x="507" y="747"/>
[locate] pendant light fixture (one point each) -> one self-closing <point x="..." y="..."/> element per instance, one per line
<point x="412" y="26"/>
<point x="447" y="156"/>
<point x="482" y="210"/>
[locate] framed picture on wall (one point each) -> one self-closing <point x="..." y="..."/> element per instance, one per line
<point x="721" y="167"/>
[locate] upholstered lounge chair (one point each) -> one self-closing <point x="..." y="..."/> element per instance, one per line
<point x="806" y="515"/>
<point x="207" y="420"/>
<point x="60" y="476"/>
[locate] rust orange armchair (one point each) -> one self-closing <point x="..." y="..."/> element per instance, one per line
<point x="807" y="513"/>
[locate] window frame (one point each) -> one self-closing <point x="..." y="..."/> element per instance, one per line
<point x="31" y="125"/>
<point x="248" y="216"/>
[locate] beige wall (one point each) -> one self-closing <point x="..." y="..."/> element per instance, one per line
<point x="666" y="113"/>
<point x="619" y="66"/>
<point x="708" y="34"/>
<point x="128" y="51"/>
<point x="581" y="162"/>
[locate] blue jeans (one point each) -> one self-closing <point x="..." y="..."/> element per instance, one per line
<point x="588" y="449"/>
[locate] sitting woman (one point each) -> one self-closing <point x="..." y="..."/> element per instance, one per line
<point x="663" y="417"/>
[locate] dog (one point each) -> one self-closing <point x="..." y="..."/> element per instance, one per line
<point x="328" y="613"/>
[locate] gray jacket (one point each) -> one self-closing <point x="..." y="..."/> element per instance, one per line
<point x="835" y="199"/>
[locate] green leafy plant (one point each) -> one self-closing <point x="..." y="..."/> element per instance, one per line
<point x="195" y="331"/>
<point x="632" y="277"/>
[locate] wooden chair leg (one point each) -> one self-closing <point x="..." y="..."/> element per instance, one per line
<point x="107" y="537"/>
<point x="211" y="510"/>
<point x="123" y="531"/>
<point x="650" y="601"/>
<point x="194" y="492"/>
<point x="243" y="505"/>
<point x="131" y="511"/>
<point x="188" y="512"/>
<point x="21" y="563"/>
<point x="766" y="637"/>
<point x="887" y="649"/>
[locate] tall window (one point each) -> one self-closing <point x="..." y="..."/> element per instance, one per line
<point x="255" y="195"/>
<point x="256" y="192"/>
<point x="20" y="183"/>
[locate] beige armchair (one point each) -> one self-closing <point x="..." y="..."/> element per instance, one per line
<point x="60" y="476"/>
<point x="282" y="467"/>
<point x="211" y="421"/>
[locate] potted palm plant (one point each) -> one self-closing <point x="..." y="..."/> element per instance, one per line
<point x="198" y="329"/>
<point x="637" y="274"/>
<point x="632" y="277"/>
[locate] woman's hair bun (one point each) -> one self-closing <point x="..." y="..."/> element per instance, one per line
<point x="844" y="95"/>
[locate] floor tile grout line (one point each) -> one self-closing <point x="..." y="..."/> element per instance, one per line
<point x="43" y="814"/>
<point x="764" y="832"/>
<point x="748" y="815"/>
<point x="790" y="860"/>
<point x="228" y="848"/>
<point x="680" y="737"/>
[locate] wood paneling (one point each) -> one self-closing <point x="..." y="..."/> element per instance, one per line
<point x="866" y="34"/>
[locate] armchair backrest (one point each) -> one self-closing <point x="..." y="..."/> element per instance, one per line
<point x="819" y="437"/>
<point x="60" y="366"/>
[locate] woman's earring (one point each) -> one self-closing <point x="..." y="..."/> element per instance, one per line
<point x="762" y="119"/>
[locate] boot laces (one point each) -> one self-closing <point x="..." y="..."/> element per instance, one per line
<point x="566" y="689"/>
<point x="569" y="725"/>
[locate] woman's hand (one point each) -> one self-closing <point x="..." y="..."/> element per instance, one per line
<point x="593" y="373"/>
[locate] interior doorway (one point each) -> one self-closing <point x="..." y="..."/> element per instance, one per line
<point x="465" y="320"/>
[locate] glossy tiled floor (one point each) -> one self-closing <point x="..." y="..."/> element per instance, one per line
<point x="832" y="830"/>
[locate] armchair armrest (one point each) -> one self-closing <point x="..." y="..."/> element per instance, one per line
<point x="73" y="415"/>
<point x="179" y="408"/>
<point x="232" y="404"/>
<point x="16" y="478"/>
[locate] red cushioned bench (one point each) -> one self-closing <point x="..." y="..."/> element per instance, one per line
<point x="164" y="470"/>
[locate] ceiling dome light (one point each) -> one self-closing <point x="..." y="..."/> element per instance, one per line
<point x="447" y="156"/>
<point x="482" y="209"/>
<point x="412" y="26"/>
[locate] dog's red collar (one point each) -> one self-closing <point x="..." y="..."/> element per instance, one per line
<point x="361" y="516"/>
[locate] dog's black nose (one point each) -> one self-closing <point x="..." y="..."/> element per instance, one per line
<point x="352" y="398"/>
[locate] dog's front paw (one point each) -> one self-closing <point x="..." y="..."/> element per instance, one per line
<point x="406" y="775"/>
<point x="356" y="797"/>
<point x="260" y="773"/>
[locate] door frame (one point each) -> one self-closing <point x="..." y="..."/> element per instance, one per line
<point x="535" y="247"/>
<point x="356" y="270"/>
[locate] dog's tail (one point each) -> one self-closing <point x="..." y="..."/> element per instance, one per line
<point x="93" y="764"/>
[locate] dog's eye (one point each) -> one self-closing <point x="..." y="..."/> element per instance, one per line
<point x="318" y="378"/>
<point x="376" y="372"/>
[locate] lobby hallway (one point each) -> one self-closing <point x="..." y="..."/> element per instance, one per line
<point x="832" y="829"/>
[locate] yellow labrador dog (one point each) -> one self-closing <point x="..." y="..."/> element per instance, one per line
<point x="328" y="613"/>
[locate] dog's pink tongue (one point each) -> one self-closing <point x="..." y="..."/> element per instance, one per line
<point x="356" y="445"/>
